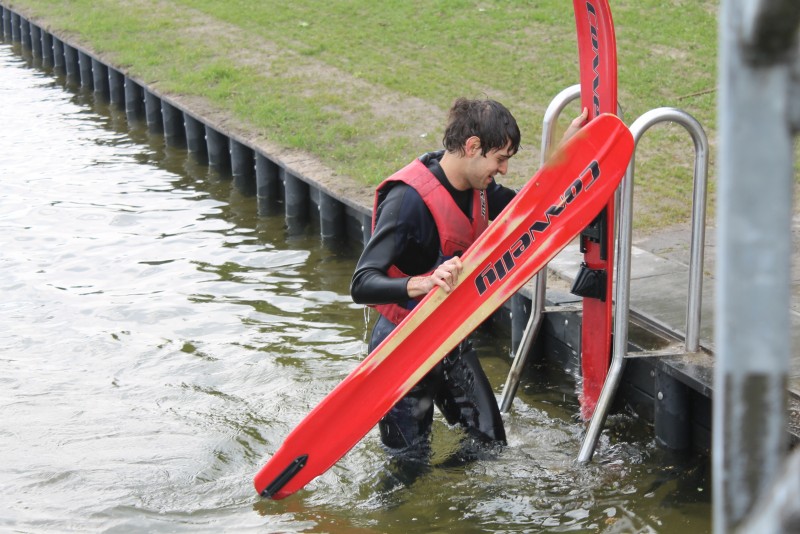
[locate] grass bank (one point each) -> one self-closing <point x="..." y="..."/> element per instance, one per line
<point x="364" y="86"/>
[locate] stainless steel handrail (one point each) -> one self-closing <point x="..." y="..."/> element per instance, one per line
<point x="622" y="298"/>
<point x="551" y="115"/>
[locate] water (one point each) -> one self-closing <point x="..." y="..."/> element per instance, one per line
<point x="158" y="339"/>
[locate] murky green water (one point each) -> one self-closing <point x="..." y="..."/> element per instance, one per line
<point x="158" y="340"/>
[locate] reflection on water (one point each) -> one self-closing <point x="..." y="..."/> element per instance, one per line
<point x="158" y="339"/>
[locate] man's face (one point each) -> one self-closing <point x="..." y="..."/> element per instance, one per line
<point x="482" y="169"/>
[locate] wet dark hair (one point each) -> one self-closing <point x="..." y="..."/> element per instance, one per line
<point x="488" y="120"/>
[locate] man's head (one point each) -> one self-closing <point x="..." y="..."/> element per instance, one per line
<point x="488" y="120"/>
<point x="480" y="138"/>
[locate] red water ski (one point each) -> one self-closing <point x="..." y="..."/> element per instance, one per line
<point x="597" y="50"/>
<point x="552" y="208"/>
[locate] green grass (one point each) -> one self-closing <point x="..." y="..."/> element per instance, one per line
<point x="335" y="78"/>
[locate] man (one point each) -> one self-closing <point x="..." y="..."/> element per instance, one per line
<point x="426" y="215"/>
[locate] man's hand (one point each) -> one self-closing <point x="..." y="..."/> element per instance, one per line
<point x="575" y="125"/>
<point x="445" y="276"/>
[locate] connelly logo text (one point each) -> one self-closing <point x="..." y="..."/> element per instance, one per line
<point x="508" y="260"/>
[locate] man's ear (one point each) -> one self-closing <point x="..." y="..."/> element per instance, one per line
<point x="472" y="146"/>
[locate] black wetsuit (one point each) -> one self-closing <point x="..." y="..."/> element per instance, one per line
<point x="405" y="235"/>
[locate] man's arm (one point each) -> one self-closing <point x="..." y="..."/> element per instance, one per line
<point x="370" y="283"/>
<point x="405" y="235"/>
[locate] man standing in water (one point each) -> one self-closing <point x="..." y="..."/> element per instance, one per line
<point x="426" y="215"/>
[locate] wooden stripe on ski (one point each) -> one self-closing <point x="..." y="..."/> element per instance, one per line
<point x="552" y="208"/>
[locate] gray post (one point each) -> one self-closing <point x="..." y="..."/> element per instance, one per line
<point x="116" y="88"/>
<point x="25" y="33"/>
<point x="754" y="217"/>
<point x="219" y="150"/>
<point x="296" y="202"/>
<point x="59" y="61"/>
<point x="15" y="30"/>
<point x="71" y="64"/>
<point x="671" y="418"/>
<point x="134" y="101"/>
<point x="47" y="48"/>
<point x="331" y="218"/>
<point x="36" y="41"/>
<point x="100" y="78"/>
<point x="152" y="113"/>
<point x="195" y="137"/>
<point x="268" y="184"/>
<point x="243" y="168"/>
<point x="85" y="68"/>
<point x="6" y="24"/>
<point x="174" y="129"/>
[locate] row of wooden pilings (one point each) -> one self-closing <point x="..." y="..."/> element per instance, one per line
<point x="253" y="171"/>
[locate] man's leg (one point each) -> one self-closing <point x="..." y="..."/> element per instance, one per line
<point x="407" y="426"/>
<point x="467" y="398"/>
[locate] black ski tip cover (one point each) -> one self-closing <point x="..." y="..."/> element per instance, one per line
<point x="286" y="475"/>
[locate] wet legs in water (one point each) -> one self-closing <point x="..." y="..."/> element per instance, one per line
<point x="459" y="388"/>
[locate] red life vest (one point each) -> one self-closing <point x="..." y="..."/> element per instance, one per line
<point x="456" y="231"/>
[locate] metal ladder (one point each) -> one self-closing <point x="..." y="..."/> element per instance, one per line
<point x="624" y="243"/>
<point x="551" y="115"/>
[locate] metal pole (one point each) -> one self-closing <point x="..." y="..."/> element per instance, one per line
<point x="551" y="115"/>
<point x="754" y="216"/>
<point x="698" y="240"/>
